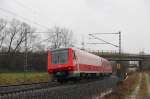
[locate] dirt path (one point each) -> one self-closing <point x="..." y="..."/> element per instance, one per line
<point x="148" y="85"/>
<point x="135" y="92"/>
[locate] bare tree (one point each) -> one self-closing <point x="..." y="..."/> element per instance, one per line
<point x="12" y="32"/>
<point x="67" y="36"/>
<point x="60" y="37"/>
<point x="55" y="37"/>
<point x="39" y="47"/>
<point x="3" y="24"/>
<point x="25" y="29"/>
<point x="21" y="36"/>
<point x="16" y="34"/>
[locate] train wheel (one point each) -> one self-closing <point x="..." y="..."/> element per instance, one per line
<point x="62" y="81"/>
<point x="93" y="76"/>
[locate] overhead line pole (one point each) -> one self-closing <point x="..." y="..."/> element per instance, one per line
<point x="25" y="56"/>
<point x="119" y="42"/>
<point x="26" y="51"/>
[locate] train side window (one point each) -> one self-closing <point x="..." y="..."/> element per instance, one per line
<point x="74" y="55"/>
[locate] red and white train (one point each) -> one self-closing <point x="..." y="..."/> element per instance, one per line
<point x="65" y="63"/>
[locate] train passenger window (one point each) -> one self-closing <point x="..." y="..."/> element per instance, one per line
<point x="74" y="55"/>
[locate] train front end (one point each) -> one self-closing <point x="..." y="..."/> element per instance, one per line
<point x="60" y="62"/>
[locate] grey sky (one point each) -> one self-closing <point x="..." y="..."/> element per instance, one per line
<point x="131" y="17"/>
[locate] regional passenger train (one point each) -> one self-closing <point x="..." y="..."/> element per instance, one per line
<point x="73" y="63"/>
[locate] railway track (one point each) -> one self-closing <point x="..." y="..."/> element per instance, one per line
<point x="25" y="87"/>
<point x="57" y="91"/>
<point x="4" y="90"/>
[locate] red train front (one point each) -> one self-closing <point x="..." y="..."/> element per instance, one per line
<point x="67" y="63"/>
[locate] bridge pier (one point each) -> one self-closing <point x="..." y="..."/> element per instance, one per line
<point x="144" y="64"/>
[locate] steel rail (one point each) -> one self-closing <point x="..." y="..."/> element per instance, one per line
<point x="24" y="87"/>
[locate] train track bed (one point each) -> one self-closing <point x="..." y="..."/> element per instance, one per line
<point x="10" y="89"/>
<point x="24" y="87"/>
<point x="4" y="90"/>
<point x="83" y="90"/>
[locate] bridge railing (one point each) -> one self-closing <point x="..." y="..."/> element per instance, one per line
<point x="112" y="52"/>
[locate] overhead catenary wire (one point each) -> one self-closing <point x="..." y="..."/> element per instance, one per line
<point x="103" y="40"/>
<point x="119" y="33"/>
<point x="14" y="14"/>
<point x="30" y="8"/>
<point x="103" y="33"/>
<point x="97" y="43"/>
<point x="24" y="6"/>
<point x="39" y="42"/>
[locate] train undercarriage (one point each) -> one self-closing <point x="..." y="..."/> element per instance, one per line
<point x="65" y="76"/>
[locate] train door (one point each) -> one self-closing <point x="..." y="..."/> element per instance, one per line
<point x="75" y="60"/>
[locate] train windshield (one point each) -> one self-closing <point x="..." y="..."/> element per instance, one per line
<point x="60" y="56"/>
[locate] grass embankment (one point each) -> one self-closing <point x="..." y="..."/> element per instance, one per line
<point x="143" y="88"/>
<point x="149" y="76"/>
<point x="19" y="78"/>
<point x="125" y="89"/>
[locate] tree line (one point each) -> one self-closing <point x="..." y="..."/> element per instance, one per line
<point x="13" y="36"/>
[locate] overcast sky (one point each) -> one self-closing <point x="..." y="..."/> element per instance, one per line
<point x="131" y="17"/>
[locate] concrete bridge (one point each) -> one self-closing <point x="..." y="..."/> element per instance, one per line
<point x="144" y="60"/>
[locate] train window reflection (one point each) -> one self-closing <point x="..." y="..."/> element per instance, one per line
<point x="60" y="57"/>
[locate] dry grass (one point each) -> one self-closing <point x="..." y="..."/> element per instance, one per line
<point x="125" y="89"/>
<point x="18" y="78"/>
<point x="149" y="76"/>
<point x="143" y="88"/>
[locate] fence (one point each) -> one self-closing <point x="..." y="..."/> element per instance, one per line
<point x="15" y="62"/>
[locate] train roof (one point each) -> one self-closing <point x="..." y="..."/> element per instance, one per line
<point x="58" y="49"/>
